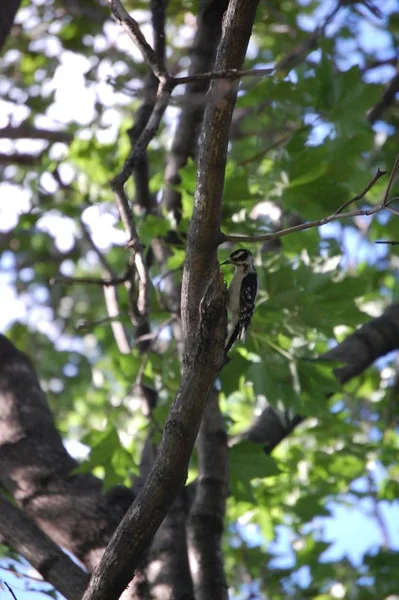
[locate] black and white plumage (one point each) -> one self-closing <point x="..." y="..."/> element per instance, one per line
<point x="241" y="295"/>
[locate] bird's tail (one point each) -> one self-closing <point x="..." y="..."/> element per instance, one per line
<point x="235" y="333"/>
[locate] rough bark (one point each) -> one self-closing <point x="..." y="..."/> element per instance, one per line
<point x="22" y="535"/>
<point x="376" y="338"/>
<point x="35" y="467"/>
<point x="208" y="509"/>
<point x="168" y="570"/>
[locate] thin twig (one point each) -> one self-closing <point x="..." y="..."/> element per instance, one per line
<point x="111" y="294"/>
<point x="268" y="148"/>
<point x="153" y="338"/>
<point x="391" y="180"/>
<point x="392" y="210"/>
<point x="225" y="74"/>
<point x="376" y="510"/>
<point x="320" y="222"/>
<point x="363" y="192"/>
<point x="10" y="590"/>
<point x="149" y="131"/>
<point x="301" y="227"/>
<point x="25" y="131"/>
<point x="104" y="263"/>
<point x="133" y="30"/>
<point x="135" y="246"/>
<point x="89" y="280"/>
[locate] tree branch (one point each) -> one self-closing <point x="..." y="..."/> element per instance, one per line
<point x="23" y="536"/>
<point x="320" y="222"/>
<point x="133" y="30"/>
<point x="111" y="296"/>
<point x="26" y="131"/>
<point x="149" y="131"/>
<point x="89" y="280"/>
<point x="8" y="10"/>
<point x="19" y="158"/>
<point x="204" y="312"/>
<point x="362" y="348"/>
<point x="301" y="227"/>
<point x="363" y="192"/>
<point x="230" y="74"/>
<point x="208" y="509"/>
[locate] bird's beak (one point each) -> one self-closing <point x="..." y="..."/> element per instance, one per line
<point x="226" y="262"/>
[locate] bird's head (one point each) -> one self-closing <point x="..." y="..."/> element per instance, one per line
<point x="240" y="258"/>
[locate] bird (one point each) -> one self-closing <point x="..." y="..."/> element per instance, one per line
<point x="241" y="295"/>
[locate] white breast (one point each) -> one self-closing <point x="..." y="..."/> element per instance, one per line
<point x="233" y="300"/>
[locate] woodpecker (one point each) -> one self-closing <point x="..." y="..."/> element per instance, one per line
<point x="241" y="295"/>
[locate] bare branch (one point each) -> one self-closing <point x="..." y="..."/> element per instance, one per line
<point x="320" y="222"/>
<point x="301" y="227"/>
<point x="122" y="201"/>
<point x="376" y="510"/>
<point x="26" y="131"/>
<point x="111" y="294"/>
<point x="133" y="30"/>
<point x="363" y="192"/>
<point x="89" y="280"/>
<point x="11" y="591"/>
<point x="19" y="158"/>
<point x="385" y="201"/>
<point x="163" y="97"/>
<point x="230" y="74"/>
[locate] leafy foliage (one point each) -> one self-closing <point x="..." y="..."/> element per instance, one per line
<point x="301" y="146"/>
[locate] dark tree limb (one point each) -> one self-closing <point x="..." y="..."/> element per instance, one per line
<point x="20" y="158"/>
<point x="22" y="535"/>
<point x="170" y="468"/>
<point x="168" y="569"/>
<point x="8" y="10"/>
<point x="374" y="339"/>
<point x="35" y="467"/>
<point x="208" y="509"/>
<point x="26" y="131"/>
